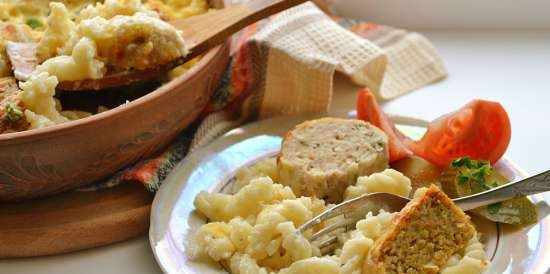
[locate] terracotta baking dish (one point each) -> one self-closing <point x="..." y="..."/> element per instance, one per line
<point x="46" y="161"/>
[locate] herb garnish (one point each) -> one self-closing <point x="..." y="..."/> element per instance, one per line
<point x="494" y="208"/>
<point x="13" y="113"/>
<point x="474" y="176"/>
<point x="33" y="23"/>
<point x="473" y="172"/>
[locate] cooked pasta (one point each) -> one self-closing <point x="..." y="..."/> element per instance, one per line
<point x="255" y="230"/>
<point x="58" y="33"/>
<point x="390" y="181"/>
<point x="37" y="95"/>
<point x="81" y="64"/>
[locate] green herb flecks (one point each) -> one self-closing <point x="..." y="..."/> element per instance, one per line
<point x="34" y="23"/>
<point x="13" y="112"/>
<point x="494" y="208"/>
<point x="474" y="176"/>
<point x="473" y="173"/>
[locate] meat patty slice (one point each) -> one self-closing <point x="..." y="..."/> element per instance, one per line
<point x="22" y="58"/>
<point x="11" y="107"/>
<point x="323" y="157"/>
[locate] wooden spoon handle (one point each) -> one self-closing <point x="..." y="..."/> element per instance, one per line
<point x="214" y="27"/>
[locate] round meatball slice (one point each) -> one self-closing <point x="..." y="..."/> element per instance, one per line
<point x="323" y="157"/>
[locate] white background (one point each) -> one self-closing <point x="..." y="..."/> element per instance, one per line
<point x="497" y="50"/>
<point x="450" y="14"/>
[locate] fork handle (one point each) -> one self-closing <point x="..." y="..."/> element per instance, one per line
<point x="528" y="186"/>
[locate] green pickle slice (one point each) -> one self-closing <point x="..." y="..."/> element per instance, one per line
<point x="466" y="177"/>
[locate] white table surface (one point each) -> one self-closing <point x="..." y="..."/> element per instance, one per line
<point x="511" y="67"/>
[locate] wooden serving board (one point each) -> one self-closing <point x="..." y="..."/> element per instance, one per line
<point x="73" y="221"/>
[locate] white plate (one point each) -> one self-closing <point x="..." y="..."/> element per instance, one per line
<point x="511" y="250"/>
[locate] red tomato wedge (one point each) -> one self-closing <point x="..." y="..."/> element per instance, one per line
<point x="480" y="130"/>
<point x="369" y="110"/>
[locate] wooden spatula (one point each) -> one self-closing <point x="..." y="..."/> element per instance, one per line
<point x="200" y="33"/>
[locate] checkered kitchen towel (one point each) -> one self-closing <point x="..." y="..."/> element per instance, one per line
<point x="285" y="65"/>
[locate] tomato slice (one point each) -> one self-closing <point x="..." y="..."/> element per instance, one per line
<point x="480" y="130"/>
<point x="369" y="110"/>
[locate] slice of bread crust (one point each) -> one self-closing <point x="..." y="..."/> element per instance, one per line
<point x="422" y="237"/>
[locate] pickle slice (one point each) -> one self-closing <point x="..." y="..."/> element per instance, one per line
<point x="517" y="211"/>
<point x="466" y="177"/>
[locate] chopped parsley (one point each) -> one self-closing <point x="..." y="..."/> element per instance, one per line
<point x="474" y="176"/>
<point x="13" y="113"/>
<point x="33" y="23"/>
<point x="473" y="172"/>
<point x="494" y="208"/>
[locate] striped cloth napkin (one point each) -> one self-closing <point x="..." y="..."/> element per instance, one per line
<point x="285" y="65"/>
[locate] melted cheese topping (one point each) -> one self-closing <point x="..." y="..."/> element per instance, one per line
<point x="126" y="35"/>
<point x="178" y="9"/>
<point x="138" y="41"/>
<point x="112" y="8"/>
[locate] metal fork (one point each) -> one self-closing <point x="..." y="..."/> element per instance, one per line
<point x="351" y="211"/>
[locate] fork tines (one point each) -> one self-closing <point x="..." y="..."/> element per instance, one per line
<point x="343" y="218"/>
